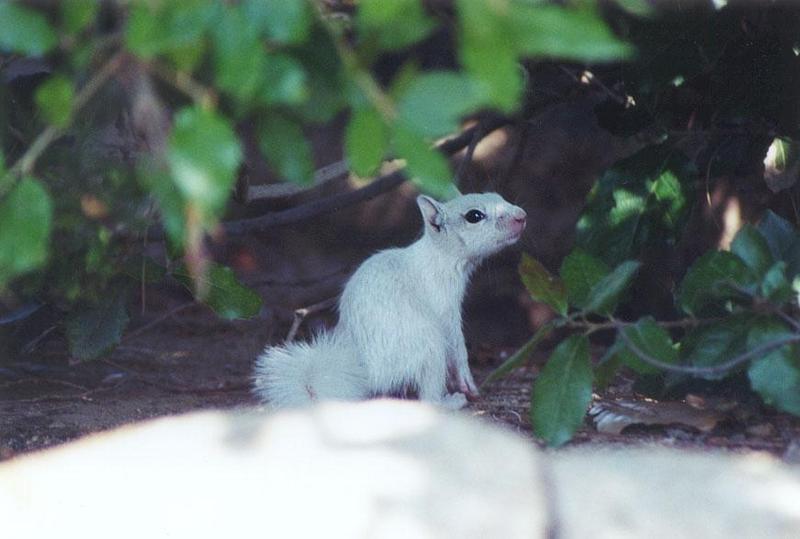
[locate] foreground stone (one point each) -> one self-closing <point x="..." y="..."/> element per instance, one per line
<point x="382" y="469"/>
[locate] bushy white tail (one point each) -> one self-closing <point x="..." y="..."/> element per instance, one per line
<point x="299" y="374"/>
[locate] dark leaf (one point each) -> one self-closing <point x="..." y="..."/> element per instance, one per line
<point x="282" y="21"/>
<point x="543" y="286"/>
<point x="96" y="329"/>
<point x="26" y="214"/>
<point x="775" y="376"/>
<point x="562" y="392"/>
<point x="783" y="241"/>
<point x="651" y="339"/>
<point x="226" y="295"/>
<point x="239" y="59"/>
<point x="435" y="102"/>
<point x="378" y="20"/>
<point x="520" y="356"/>
<point x="286" y="148"/>
<point x="752" y="248"/>
<point x="427" y="167"/>
<point x="603" y="297"/>
<point x="54" y="98"/>
<point x="25" y="30"/>
<point x="705" y="281"/>
<point x="204" y="155"/>
<point x="366" y="141"/>
<point x="580" y="272"/>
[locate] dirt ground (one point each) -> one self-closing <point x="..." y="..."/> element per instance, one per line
<point x="192" y="361"/>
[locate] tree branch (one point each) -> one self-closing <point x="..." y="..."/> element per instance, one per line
<point x="716" y="370"/>
<point x="324" y="206"/>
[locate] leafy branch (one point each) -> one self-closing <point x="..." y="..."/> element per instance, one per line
<point x="736" y="304"/>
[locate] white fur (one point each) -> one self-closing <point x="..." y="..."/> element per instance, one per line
<point x="400" y="316"/>
<point x="298" y="374"/>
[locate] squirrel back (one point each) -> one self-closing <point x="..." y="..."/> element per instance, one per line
<point x="400" y="315"/>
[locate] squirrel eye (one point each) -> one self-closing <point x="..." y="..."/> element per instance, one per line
<point x="473" y="216"/>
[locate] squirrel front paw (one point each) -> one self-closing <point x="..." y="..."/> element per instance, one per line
<point x="453" y="401"/>
<point x="468" y="388"/>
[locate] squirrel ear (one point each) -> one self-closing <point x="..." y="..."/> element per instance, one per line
<point x="432" y="212"/>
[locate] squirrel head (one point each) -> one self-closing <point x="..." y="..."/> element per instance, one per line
<point x="472" y="226"/>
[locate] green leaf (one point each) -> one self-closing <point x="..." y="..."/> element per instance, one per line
<point x="171" y="201"/>
<point x="54" y="98"/>
<point x="640" y="202"/>
<point x="562" y="392"/>
<point x="226" y="295"/>
<point x="78" y="14"/>
<point x="486" y="51"/>
<point x="609" y="364"/>
<point x="161" y="27"/>
<point x="435" y="102"/>
<point x="571" y="34"/>
<point x="651" y="339"/>
<point x="580" y="272"/>
<point x="286" y="148"/>
<point x="24" y="30"/>
<point x="711" y="344"/>
<point x="379" y="20"/>
<point x="285" y="81"/>
<point x="26" y="214"/>
<point x="706" y="280"/>
<point x="783" y="241"/>
<point x="281" y="21"/>
<point x="604" y="295"/>
<point x="520" y="356"/>
<point x="543" y="286"/>
<point x="239" y="59"/>
<point x="93" y="330"/>
<point x="752" y="248"/>
<point x="775" y="286"/>
<point x="427" y="167"/>
<point x="327" y="79"/>
<point x="203" y="155"/>
<point x="775" y="376"/>
<point x="366" y="141"/>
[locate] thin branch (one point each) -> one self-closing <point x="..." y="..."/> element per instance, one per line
<point x="324" y="206"/>
<point x="592" y="327"/>
<point x="158" y="320"/>
<point x="716" y="370"/>
<point x="301" y="314"/>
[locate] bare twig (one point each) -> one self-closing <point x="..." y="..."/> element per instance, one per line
<point x="592" y="327"/>
<point x="301" y="314"/>
<point x="158" y="320"/>
<point x="716" y="370"/>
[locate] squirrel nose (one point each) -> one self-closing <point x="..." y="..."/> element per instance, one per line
<point x="519" y="216"/>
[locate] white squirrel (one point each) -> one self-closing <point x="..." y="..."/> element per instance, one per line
<point x="399" y="315"/>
